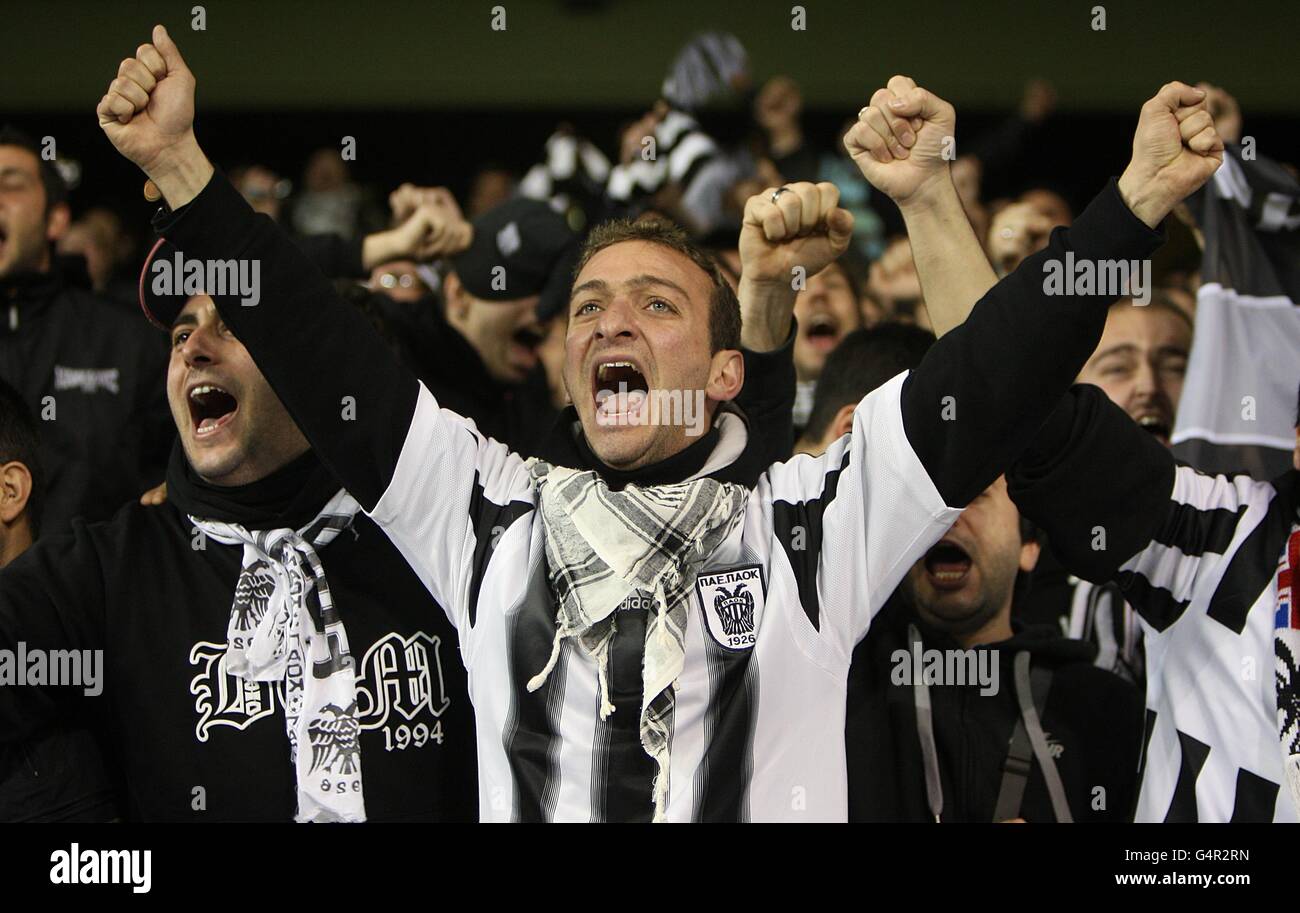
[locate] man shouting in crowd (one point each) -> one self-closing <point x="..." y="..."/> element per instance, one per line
<point x="266" y="652"/>
<point x="644" y="640"/>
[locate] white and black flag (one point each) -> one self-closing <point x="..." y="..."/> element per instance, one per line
<point x="1238" y="409"/>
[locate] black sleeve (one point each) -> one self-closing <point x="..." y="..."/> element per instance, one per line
<point x="51" y="598"/>
<point x="1095" y="483"/>
<point x="767" y="399"/>
<point x="322" y="357"/>
<point x="984" y="388"/>
<point x="335" y="256"/>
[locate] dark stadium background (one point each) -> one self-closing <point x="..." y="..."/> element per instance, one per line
<point x="431" y="92"/>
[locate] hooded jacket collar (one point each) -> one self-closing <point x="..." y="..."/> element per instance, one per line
<point x="288" y="498"/>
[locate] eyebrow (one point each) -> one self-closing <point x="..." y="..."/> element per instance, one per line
<point x="1124" y="348"/>
<point x="188" y="320"/>
<point x="636" y="282"/>
<point x="12" y="170"/>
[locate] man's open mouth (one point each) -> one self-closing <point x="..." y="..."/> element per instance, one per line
<point x="529" y="337"/>
<point x="1157" y="424"/>
<point x="823" y="331"/>
<point x="947" y="565"/>
<point x="619" y="388"/>
<point x="211" y="407"/>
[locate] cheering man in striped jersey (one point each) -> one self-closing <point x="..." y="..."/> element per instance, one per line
<point x="644" y="637"/>
<point x="1209" y="563"/>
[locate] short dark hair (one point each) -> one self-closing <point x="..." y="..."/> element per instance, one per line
<point x="863" y="361"/>
<point x="56" y="189"/>
<point x="20" y="442"/>
<point x="1160" y="301"/>
<point x="724" y="307"/>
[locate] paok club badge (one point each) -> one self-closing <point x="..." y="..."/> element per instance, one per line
<point x="732" y="601"/>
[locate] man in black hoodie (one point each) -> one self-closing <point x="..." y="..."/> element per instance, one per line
<point x="88" y="372"/>
<point x="958" y="713"/>
<point x="926" y="749"/>
<point x="267" y="653"/>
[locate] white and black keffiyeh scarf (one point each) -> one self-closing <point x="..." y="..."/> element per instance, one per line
<point x="1286" y="649"/>
<point x="604" y="546"/>
<point x="284" y="628"/>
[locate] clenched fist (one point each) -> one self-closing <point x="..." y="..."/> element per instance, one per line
<point x="802" y="227"/>
<point x="149" y="107"/>
<point x="1175" y="150"/>
<point x="898" y="142"/>
<point x="148" y="115"/>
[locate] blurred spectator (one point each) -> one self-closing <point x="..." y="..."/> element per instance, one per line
<point x="863" y="361"/>
<point x="60" y="774"/>
<point x="777" y="111"/>
<point x="681" y="157"/>
<point x="492" y="185"/>
<point x="89" y="372"/>
<point x="330" y="202"/>
<point x="264" y="190"/>
<point x="1023" y="227"/>
<point x="476" y="339"/>
<point x="99" y="238"/>
<point x="855" y="195"/>
<point x="827" y="310"/>
<point x="893" y="283"/>
<point x="401" y="280"/>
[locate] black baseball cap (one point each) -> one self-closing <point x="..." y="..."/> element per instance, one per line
<point x="520" y="248"/>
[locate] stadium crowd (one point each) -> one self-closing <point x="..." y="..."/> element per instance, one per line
<point x="722" y="478"/>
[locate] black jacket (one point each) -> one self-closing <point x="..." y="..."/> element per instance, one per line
<point x="194" y="742"/>
<point x="94" y="377"/>
<point x="1092" y="720"/>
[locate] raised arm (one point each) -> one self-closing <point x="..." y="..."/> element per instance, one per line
<point x="903" y="143"/>
<point x="425" y="474"/>
<point x="984" y="389"/>
<point x="333" y="372"/>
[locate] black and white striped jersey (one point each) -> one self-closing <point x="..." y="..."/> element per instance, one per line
<point x="759" y="720"/>
<point x="1206" y="588"/>
<point x="1100" y="615"/>
<point x="759" y="723"/>
<point x="1197" y="556"/>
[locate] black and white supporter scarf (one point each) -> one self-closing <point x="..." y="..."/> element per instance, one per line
<point x="284" y="628"/>
<point x="603" y="547"/>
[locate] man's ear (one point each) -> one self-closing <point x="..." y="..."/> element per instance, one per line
<point x="456" y="298"/>
<point x="15" y="490"/>
<point x="56" y="224"/>
<point x="726" y="376"/>
<point x="1029" y="554"/>
<point x="842" y="424"/>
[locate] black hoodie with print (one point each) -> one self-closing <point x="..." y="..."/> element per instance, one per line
<point x="193" y="741"/>
<point x="1091" y="718"/>
<point x="94" y="377"/>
